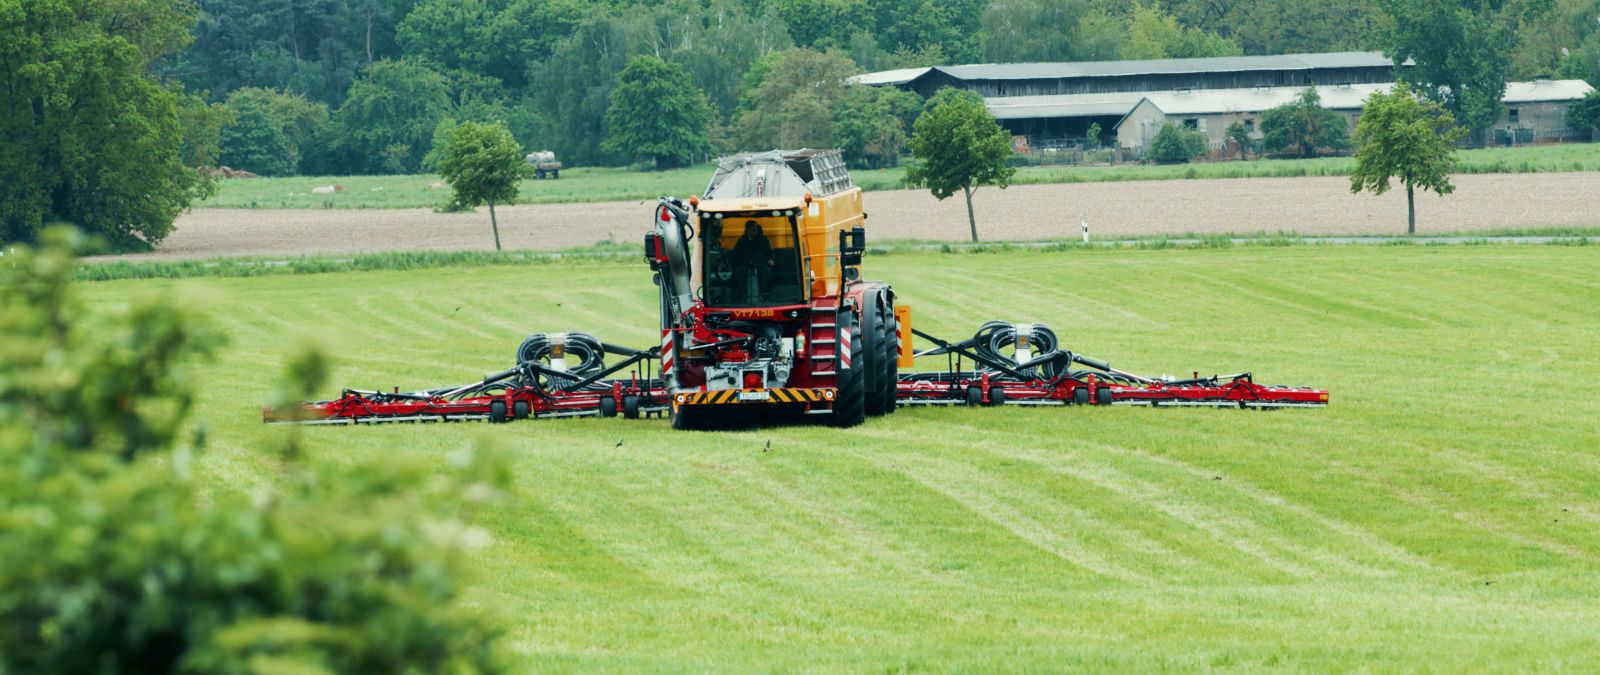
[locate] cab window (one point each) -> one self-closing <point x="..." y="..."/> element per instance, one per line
<point x="750" y="261"/>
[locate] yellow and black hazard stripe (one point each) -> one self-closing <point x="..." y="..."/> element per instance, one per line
<point x="775" y="395"/>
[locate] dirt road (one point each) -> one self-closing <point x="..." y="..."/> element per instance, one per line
<point x="1027" y="212"/>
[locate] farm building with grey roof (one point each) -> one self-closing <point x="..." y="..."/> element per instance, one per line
<point x="1048" y="105"/>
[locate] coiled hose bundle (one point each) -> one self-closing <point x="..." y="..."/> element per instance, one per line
<point x="995" y="336"/>
<point x="582" y="355"/>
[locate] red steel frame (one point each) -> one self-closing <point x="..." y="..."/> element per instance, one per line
<point x="954" y="387"/>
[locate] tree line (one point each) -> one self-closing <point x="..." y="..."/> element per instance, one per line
<point x="366" y="84"/>
<point x="117" y="110"/>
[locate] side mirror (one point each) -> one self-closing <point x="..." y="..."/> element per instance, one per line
<point x="852" y="243"/>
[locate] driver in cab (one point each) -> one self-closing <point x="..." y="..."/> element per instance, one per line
<point x="753" y="263"/>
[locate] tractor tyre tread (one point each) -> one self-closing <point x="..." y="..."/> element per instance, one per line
<point x="870" y="358"/>
<point x="891" y="348"/>
<point x="850" y="405"/>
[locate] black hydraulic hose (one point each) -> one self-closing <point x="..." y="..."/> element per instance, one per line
<point x="994" y="336"/>
<point x="583" y="355"/>
<point x="964" y="350"/>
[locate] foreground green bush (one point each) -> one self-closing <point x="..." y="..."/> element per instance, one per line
<point x="114" y="560"/>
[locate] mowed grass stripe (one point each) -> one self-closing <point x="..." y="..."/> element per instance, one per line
<point x="1202" y="511"/>
<point x="1439" y="515"/>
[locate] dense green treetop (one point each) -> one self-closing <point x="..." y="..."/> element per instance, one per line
<point x="90" y="137"/>
<point x="1585" y="114"/>
<point x="793" y="103"/>
<point x="386" y="123"/>
<point x="1462" y="50"/>
<point x="1175" y="144"/>
<point x="657" y="112"/>
<point x="1304" y="126"/>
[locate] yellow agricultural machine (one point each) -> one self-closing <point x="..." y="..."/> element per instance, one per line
<point x="763" y="309"/>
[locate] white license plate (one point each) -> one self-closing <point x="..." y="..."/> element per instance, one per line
<point x="760" y="395"/>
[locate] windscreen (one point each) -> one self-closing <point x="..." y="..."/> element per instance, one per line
<point x="750" y="261"/>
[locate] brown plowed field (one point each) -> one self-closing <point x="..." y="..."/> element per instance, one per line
<point x="1311" y="206"/>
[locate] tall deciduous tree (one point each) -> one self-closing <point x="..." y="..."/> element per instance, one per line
<point x="1155" y="34"/>
<point x="952" y="26"/>
<point x="1462" y="50"/>
<point x="793" y="101"/>
<point x="1079" y="31"/>
<point x="1404" y="138"/>
<point x="90" y="137"/>
<point x="268" y="130"/>
<point x="482" y="163"/>
<point x="959" y="146"/>
<point x="116" y="559"/>
<point x="1304" y="126"/>
<point x="870" y="124"/>
<point x="387" y="121"/>
<point x="824" y="23"/>
<point x="657" y="112"/>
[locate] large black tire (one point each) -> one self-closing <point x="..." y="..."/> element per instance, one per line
<point x="497" y="411"/>
<point x="891" y="346"/>
<point x="850" y="402"/>
<point x="1102" y="396"/>
<point x="1080" y="396"/>
<point x="997" y="396"/>
<point x="608" y="407"/>
<point x="630" y="407"/>
<point x="520" y="410"/>
<point x="871" y="355"/>
<point x="685" y="418"/>
<point x="974" y="396"/>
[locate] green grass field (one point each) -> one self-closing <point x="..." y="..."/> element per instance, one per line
<point x="1441" y="515"/>
<point x="603" y="184"/>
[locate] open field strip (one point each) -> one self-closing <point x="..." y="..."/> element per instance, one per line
<point x="1302" y="206"/>
<point x="609" y="184"/>
<point x="1441" y="514"/>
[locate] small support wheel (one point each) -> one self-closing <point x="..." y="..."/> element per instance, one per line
<point x="997" y="396"/>
<point x="1102" y="396"/>
<point x="608" y="407"/>
<point x="1080" y="396"/>
<point x="630" y="407"/>
<point x="974" y="396"/>
<point x="497" y="412"/>
<point x="520" y="410"/>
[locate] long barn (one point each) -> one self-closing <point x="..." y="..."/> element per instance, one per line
<point x="1047" y="105"/>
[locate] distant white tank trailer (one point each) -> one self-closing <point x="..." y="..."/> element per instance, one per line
<point x="544" y="164"/>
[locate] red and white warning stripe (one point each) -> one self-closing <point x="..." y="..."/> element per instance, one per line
<point x="667" y="352"/>
<point x="844" y="348"/>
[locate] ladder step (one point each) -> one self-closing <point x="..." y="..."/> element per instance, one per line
<point x="823" y="325"/>
<point x="824" y="342"/>
<point x="824" y="372"/>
